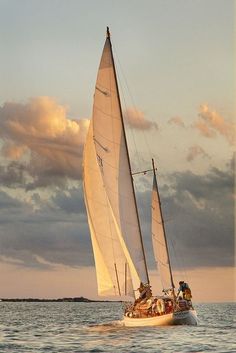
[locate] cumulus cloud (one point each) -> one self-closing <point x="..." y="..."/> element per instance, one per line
<point x="137" y="120"/>
<point x="177" y="120"/>
<point x="40" y="138"/>
<point x="210" y="123"/>
<point x="194" y="152"/>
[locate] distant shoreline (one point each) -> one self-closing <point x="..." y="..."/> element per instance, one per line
<point x="75" y="299"/>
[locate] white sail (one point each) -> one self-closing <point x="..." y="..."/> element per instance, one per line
<point x="113" y="277"/>
<point x="159" y="240"/>
<point x="110" y="151"/>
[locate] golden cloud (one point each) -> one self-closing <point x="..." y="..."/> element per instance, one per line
<point x="210" y="123"/>
<point x="137" y="120"/>
<point x="41" y="136"/>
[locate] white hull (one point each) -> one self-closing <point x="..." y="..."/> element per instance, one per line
<point x="178" y="318"/>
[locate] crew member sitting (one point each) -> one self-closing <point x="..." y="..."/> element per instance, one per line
<point x="182" y="304"/>
<point x="169" y="306"/>
<point x="154" y="307"/>
<point x="161" y="306"/>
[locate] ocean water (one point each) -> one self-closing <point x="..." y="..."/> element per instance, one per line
<point x="96" y="327"/>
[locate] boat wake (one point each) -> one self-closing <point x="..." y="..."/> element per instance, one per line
<point x="108" y="326"/>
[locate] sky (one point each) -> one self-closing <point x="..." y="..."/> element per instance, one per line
<point x="175" y="70"/>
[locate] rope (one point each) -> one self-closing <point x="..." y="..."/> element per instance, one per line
<point x="141" y="158"/>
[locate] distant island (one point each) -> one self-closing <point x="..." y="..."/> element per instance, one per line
<point x="75" y="299"/>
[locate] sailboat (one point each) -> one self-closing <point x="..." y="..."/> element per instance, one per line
<point x="121" y="267"/>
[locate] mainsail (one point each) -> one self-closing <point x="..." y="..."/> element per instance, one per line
<point x="109" y="192"/>
<point x="159" y="238"/>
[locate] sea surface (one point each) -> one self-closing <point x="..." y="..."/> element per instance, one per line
<point x="97" y="327"/>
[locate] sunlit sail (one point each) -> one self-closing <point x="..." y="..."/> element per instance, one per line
<point x="106" y="166"/>
<point x="113" y="215"/>
<point x="159" y="240"/>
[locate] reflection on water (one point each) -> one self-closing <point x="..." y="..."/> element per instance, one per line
<point x="109" y="326"/>
<point x="97" y="327"/>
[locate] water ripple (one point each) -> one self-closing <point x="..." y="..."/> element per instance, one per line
<point x="87" y="327"/>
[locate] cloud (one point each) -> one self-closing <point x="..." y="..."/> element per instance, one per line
<point x="70" y="201"/>
<point x="8" y="203"/>
<point x="199" y="218"/>
<point x="198" y="212"/>
<point x="177" y="120"/>
<point x="194" y="152"/>
<point x="10" y="260"/>
<point x="12" y="174"/>
<point x="56" y="230"/>
<point x="41" y="141"/>
<point x="210" y="123"/>
<point x="202" y="210"/>
<point x="137" y="120"/>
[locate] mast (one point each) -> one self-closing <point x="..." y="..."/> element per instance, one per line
<point x="126" y="145"/>
<point x="163" y="225"/>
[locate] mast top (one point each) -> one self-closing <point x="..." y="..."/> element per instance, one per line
<point x="108" y="32"/>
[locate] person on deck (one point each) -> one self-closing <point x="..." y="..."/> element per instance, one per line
<point x="184" y="288"/>
<point x="182" y="304"/>
<point x="154" y="307"/>
<point x="161" y="306"/>
<point x="169" y="306"/>
<point x="145" y="291"/>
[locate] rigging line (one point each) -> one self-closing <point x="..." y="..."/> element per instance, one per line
<point x="112" y="242"/>
<point x="126" y="109"/>
<point x="109" y="216"/>
<point x="183" y="266"/>
<point x="133" y="102"/>
<point x="125" y="278"/>
<point x="129" y="164"/>
<point x="158" y="241"/>
<point x="130" y="127"/>
<point x="160" y="276"/>
<point x="117" y="279"/>
<point x="151" y="154"/>
<point x="162" y="263"/>
<point x="141" y="202"/>
<point x="182" y="271"/>
<point x="180" y="260"/>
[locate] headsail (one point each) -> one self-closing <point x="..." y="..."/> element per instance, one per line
<point x="159" y="238"/>
<point x="112" y="271"/>
<point x="106" y="148"/>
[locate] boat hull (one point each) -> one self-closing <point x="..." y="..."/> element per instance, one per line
<point x="188" y="317"/>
